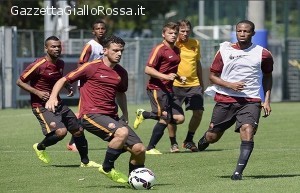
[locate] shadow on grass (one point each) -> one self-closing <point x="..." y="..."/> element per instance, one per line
<point x="267" y="176"/>
<point x="66" y="166"/>
<point x="188" y="151"/>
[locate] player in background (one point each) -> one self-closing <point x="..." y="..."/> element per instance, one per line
<point x="104" y="83"/>
<point x="191" y="92"/>
<point x="91" y="51"/>
<point x="162" y="67"/>
<point x="242" y="76"/>
<point x="42" y="75"/>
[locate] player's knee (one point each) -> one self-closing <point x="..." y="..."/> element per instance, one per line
<point x="121" y="133"/>
<point x="77" y="133"/>
<point x="138" y="149"/>
<point x="61" y="132"/>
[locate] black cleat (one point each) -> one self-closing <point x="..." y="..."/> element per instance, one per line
<point x="202" y="144"/>
<point x="236" y="176"/>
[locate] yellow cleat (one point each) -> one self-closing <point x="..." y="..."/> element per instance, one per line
<point x="42" y="154"/>
<point x="115" y="175"/>
<point x="91" y="164"/>
<point x="153" y="152"/>
<point x="139" y="118"/>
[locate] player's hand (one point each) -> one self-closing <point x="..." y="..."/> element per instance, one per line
<point x="237" y="86"/>
<point x="182" y="79"/>
<point x="124" y="119"/>
<point x="171" y="76"/>
<point x="51" y="104"/>
<point x="43" y="95"/>
<point x="267" y="109"/>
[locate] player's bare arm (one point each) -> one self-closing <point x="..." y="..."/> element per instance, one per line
<point x="236" y="86"/>
<point x="267" y="85"/>
<point x="41" y="94"/>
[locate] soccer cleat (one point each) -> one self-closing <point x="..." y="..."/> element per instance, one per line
<point x="72" y="147"/>
<point x="114" y="175"/>
<point x="139" y="118"/>
<point x="91" y="164"/>
<point x="153" y="152"/>
<point x="202" y="144"/>
<point x="42" y="154"/>
<point x="190" y="145"/>
<point x="236" y="176"/>
<point x="174" y="148"/>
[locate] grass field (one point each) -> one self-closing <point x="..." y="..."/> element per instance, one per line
<point x="274" y="165"/>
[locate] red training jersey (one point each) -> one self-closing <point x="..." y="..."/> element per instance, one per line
<point x="42" y="75"/>
<point x="165" y="60"/>
<point x="100" y="84"/>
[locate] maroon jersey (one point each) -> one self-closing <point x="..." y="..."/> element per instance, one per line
<point x="217" y="66"/>
<point x="165" y="60"/>
<point x="100" y="84"/>
<point x="42" y="75"/>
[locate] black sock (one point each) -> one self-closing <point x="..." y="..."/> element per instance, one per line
<point x="190" y="136"/>
<point x="173" y="140"/>
<point x="245" y="152"/>
<point x="71" y="141"/>
<point x="49" y="140"/>
<point x="149" y="115"/>
<point x="110" y="157"/>
<point x="82" y="146"/>
<point x="157" y="133"/>
<point x="132" y="167"/>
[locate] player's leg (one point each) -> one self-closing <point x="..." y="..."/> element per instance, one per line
<point x="53" y="129"/>
<point x="223" y="117"/>
<point x="248" y="118"/>
<point x="116" y="134"/>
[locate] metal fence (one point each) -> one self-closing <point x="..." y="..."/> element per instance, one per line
<point x="29" y="45"/>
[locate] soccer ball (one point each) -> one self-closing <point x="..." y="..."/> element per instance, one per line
<point x="141" y="179"/>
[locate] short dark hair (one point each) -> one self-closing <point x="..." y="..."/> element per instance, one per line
<point x="170" y="25"/>
<point x="54" y="38"/>
<point x="98" y="21"/>
<point x="184" y="22"/>
<point x="112" y="39"/>
<point x="247" y="22"/>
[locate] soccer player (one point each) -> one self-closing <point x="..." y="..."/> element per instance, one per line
<point x="162" y="67"/>
<point x="92" y="50"/>
<point x="42" y="75"/>
<point x="103" y="86"/>
<point x="191" y="92"/>
<point x="242" y="78"/>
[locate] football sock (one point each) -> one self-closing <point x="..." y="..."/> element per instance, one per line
<point x="133" y="167"/>
<point x="110" y="158"/>
<point x="49" y="140"/>
<point x="71" y="141"/>
<point x="245" y="152"/>
<point x="149" y="115"/>
<point x="173" y="140"/>
<point x="157" y="133"/>
<point x="82" y="147"/>
<point x="189" y="137"/>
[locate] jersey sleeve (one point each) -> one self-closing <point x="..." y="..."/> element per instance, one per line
<point x="123" y="86"/>
<point x="154" y="57"/>
<point x="31" y="71"/>
<point x="267" y="61"/>
<point x="217" y="65"/>
<point x="85" y="54"/>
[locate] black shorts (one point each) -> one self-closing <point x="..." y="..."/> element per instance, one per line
<point x="62" y="118"/>
<point x="164" y="101"/>
<point x="226" y="114"/>
<point x="191" y="96"/>
<point x="105" y="126"/>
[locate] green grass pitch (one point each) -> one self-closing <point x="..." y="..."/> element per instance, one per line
<point x="273" y="166"/>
